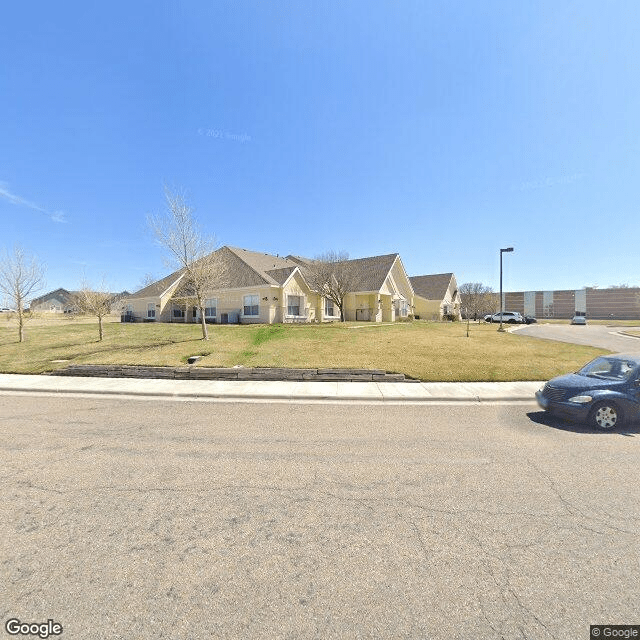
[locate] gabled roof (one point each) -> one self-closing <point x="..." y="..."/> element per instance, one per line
<point x="269" y="269"/>
<point x="431" y="287"/>
<point x="281" y="275"/>
<point x="157" y="288"/>
<point x="67" y="297"/>
<point x="61" y="294"/>
<point x="303" y="265"/>
<point x="240" y="268"/>
<point x="368" y="274"/>
<point x="235" y="269"/>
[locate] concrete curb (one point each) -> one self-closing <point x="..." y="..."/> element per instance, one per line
<point x="626" y="335"/>
<point x="423" y="392"/>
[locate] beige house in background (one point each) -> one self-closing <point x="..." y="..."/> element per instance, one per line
<point x="63" y="301"/>
<point x="57" y="301"/>
<point x="255" y="287"/>
<point x="436" y="296"/>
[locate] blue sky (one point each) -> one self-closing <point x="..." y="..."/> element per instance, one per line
<point x="439" y="130"/>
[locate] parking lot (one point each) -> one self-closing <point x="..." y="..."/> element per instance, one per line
<point x="594" y="335"/>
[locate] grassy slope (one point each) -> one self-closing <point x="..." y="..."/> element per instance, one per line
<point x="428" y="351"/>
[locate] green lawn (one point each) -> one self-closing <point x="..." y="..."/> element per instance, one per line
<point x="428" y="351"/>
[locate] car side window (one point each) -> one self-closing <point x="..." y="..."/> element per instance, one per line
<point x="625" y="368"/>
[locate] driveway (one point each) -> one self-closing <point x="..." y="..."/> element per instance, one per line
<point x="593" y="335"/>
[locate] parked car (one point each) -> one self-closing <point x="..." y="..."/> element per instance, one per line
<point x="604" y="393"/>
<point x="579" y="320"/>
<point x="529" y="320"/>
<point x="511" y="317"/>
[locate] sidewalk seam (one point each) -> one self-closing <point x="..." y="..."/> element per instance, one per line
<point x="352" y="398"/>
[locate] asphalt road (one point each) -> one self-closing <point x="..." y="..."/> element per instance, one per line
<point x="196" y="520"/>
<point x="594" y="335"/>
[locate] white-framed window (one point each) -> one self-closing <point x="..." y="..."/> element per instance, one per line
<point x="178" y="312"/>
<point x="329" y="309"/>
<point x="251" y="306"/>
<point x="210" y="308"/>
<point x="151" y="310"/>
<point x="404" y="308"/>
<point x="294" y="304"/>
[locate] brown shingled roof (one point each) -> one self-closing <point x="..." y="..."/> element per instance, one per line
<point x="369" y="273"/>
<point x="431" y="287"/>
<point x="242" y="268"/>
<point x="62" y="294"/>
<point x="262" y="264"/>
<point x="281" y="275"/>
<point x="237" y="268"/>
<point x="159" y="287"/>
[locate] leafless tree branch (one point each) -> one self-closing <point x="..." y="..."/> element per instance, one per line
<point x="21" y="275"/>
<point x="189" y="250"/>
<point x="97" y="303"/>
<point x="478" y="299"/>
<point x="329" y="276"/>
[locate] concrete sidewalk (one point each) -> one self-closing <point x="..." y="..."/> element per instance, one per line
<point x="276" y="390"/>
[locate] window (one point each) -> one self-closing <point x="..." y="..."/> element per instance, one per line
<point x="404" y="308"/>
<point x="210" y="308"/>
<point x="328" y="307"/>
<point x="178" y="312"/>
<point x="251" y="306"/>
<point x="293" y="305"/>
<point x="151" y="310"/>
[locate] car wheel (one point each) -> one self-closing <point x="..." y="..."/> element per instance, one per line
<point x="512" y="321"/>
<point x="605" y="416"/>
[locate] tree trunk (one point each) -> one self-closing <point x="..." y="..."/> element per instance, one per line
<point x="203" y="322"/>
<point x="100" y="326"/>
<point x="20" y="326"/>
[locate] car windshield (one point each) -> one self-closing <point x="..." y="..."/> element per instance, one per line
<point x="609" y="369"/>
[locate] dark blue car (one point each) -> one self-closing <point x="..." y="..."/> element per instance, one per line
<point x="604" y="393"/>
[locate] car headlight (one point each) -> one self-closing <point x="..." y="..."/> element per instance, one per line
<point x="581" y="399"/>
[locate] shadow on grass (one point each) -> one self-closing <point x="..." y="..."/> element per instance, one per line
<point x="630" y="429"/>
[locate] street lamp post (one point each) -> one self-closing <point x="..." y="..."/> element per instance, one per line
<point x="508" y="250"/>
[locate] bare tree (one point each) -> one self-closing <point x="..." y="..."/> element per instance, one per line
<point x="21" y="275"/>
<point x="331" y="277"/>
<point x="146" y="280"/>
<point x="188" y="249"/>
<point x="477" y="299"/>
<point x="96" y="303"/>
